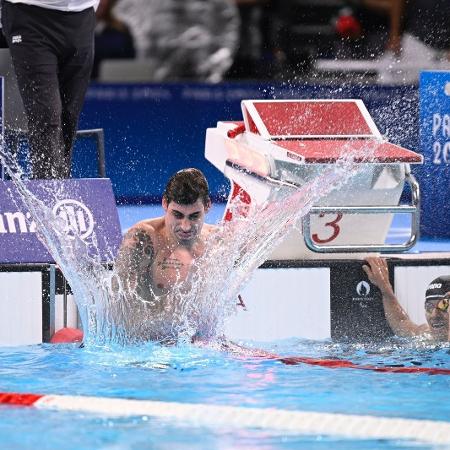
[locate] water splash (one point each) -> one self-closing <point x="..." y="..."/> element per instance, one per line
<point x="246" y="243"/>
<point x="85" y="273"/>
<point x="199" y="305"/>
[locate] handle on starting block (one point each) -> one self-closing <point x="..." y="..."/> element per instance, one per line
<point x="413" y="209"/>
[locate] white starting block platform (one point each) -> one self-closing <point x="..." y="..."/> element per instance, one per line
<point x="289" y="142"/>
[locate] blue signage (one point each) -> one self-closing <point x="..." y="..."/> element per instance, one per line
<point x="434" y="176"/>
<point x="2" y="90"/>
<point x="86" y="206"/>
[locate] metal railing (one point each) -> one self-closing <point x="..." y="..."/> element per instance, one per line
<point x="97" y="134"/>
<point x="413" y="209"/>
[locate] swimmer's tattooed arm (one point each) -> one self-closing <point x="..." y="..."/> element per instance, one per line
<point x="133" y="264"/>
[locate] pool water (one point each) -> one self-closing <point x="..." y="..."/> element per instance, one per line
<point x="207" y="376"/>
<point x="187" y="374"/>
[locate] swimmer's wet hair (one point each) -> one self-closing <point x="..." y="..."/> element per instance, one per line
<point x="186" y="187"/>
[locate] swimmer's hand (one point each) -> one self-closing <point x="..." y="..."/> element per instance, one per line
<point x="378" y="274"/>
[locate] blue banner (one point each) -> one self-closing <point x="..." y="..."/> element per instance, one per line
<point x="2" y="90"/>
<point x="434" y="176"/>
<point x="86" y="206"/>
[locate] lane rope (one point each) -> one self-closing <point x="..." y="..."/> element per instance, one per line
<point x="345" y="364"/>
<point x="241" y="352"/>
<point x="298" y="422"/>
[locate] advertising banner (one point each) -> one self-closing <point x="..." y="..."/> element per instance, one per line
<point x="434" y="176"/>
<point x="86" y="207"/>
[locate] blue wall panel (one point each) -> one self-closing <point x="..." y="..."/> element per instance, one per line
<point x="153" y="130"/>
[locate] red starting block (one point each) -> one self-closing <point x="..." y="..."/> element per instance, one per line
<point x="292" y="141"/>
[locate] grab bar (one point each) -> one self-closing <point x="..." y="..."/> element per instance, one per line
<point x="413" y="209"/>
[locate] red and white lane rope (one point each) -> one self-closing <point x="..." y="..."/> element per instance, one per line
<point x="300" y="422"/>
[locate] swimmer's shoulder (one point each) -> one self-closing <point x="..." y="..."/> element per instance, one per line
<point x="149" y="226"/>
<point x="143" y="230"/>
<point x="424" y="329"/>
<point x="423" y="333"/>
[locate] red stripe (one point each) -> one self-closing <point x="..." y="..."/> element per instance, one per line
<point x="427" y="370"/>
<point x="239" y="129"/>
<point x="334" y="363"/>
<point x="342" y="363"/>
<point x="245" y="352"/>
<point x="13" y="398"/>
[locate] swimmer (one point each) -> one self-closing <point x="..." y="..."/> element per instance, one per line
<point x="437" y="298"/>
<point x="156" y="255"/>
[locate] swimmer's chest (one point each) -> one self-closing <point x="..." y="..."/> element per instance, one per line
<point x="171" y="267"/>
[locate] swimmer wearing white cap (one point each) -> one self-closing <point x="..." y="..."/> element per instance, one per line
<point x="437" y="299"/>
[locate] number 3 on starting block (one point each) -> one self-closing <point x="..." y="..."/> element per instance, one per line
<point x="330" y="230"/>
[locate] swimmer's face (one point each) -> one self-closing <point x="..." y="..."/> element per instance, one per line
<point x="436" y="312"/>
<point x="185" y="222"/>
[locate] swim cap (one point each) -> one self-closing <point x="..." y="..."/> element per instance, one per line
<point x="438" y="288"/>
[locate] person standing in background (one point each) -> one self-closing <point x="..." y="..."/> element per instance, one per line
<point x="190" y="39"/>
<point x="249" y="51"/>
<point x="52" y="49"/>
<point x="113" y="39"/>
<point x="426" y="20"/>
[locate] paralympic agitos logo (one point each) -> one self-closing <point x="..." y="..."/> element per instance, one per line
<point x="78" y="219"/>
<point x="362" y="290"/>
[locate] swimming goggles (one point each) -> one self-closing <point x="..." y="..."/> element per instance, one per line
<point x="441" y="305"/>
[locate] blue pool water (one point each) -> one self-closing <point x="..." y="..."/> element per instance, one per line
<point x="206" y="376"/>
<point x="187" y="374"/>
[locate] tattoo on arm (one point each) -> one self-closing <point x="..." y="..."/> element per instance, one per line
<point x="135" y="258"/>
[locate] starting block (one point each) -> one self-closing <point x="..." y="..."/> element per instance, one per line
<point x="289" y="142"/>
